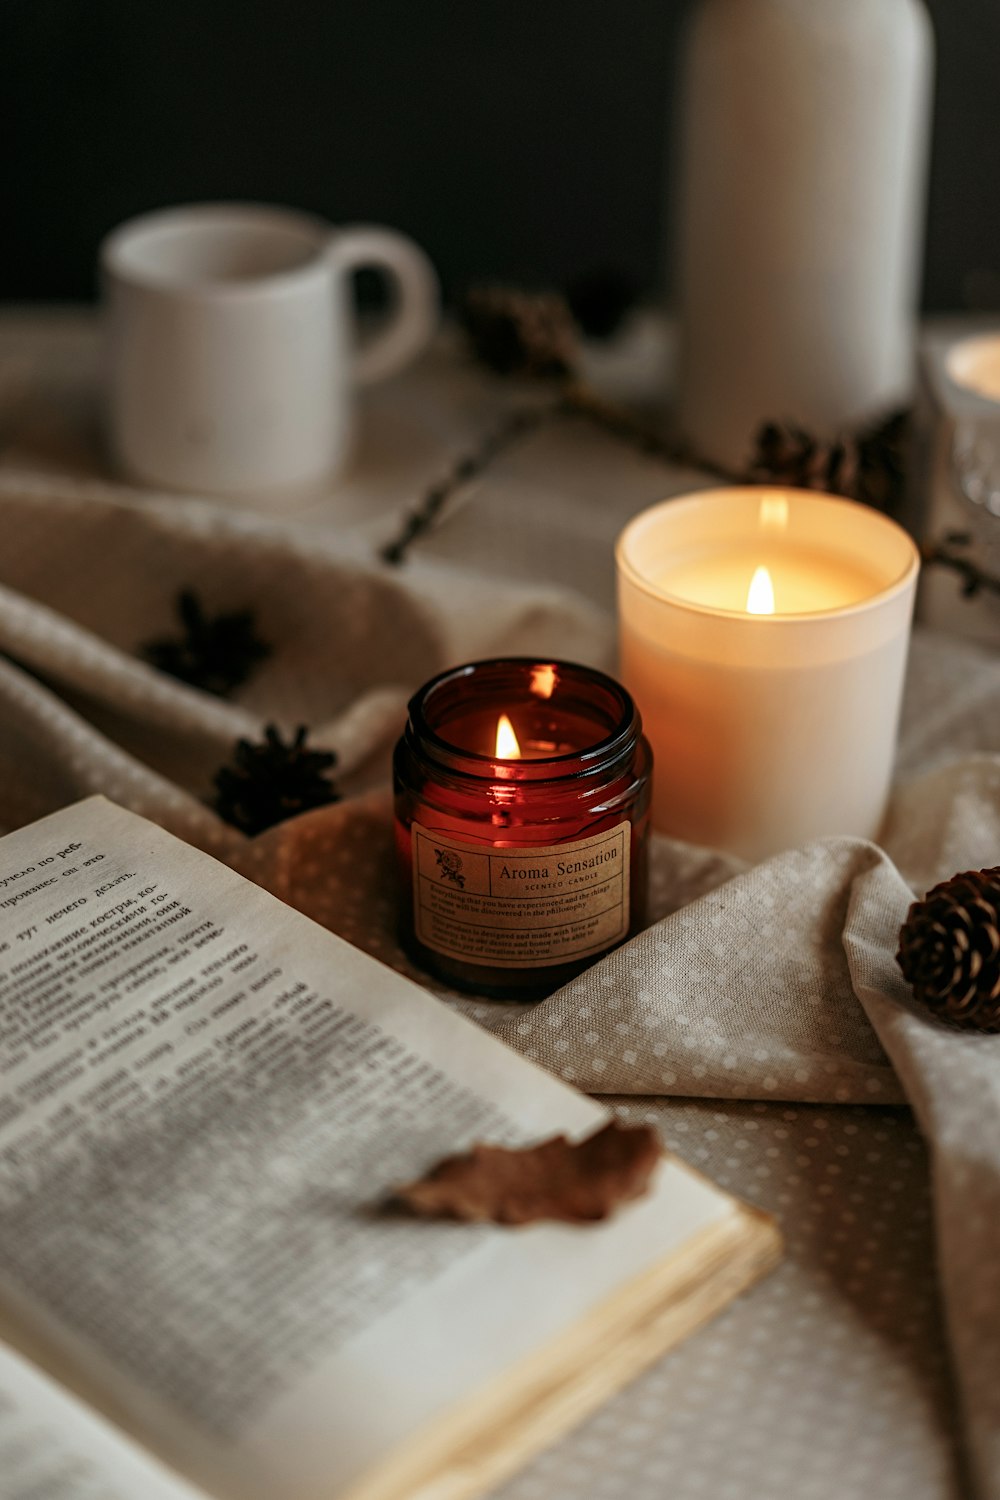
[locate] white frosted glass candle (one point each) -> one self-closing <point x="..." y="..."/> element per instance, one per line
<point x="802" y="160"/>
<point x="974" y="364"/>
<point x="763" y="634"/>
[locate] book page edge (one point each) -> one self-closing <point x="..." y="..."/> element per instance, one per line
<point x="485" y="1440"/>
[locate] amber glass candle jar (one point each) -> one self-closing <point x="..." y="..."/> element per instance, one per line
<point x="522" y="812"/>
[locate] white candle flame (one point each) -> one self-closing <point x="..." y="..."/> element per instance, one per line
<point x="507" y="745"/>
<point x="760" y="594"/>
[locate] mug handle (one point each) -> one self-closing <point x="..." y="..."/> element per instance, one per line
<point x="412" y="322"/>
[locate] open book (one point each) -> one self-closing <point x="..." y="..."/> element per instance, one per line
<point x="203" y="1099"/>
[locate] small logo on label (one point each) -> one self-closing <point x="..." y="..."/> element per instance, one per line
<point x="450" y="865"/>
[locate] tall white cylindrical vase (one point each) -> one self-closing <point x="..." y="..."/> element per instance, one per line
<point x="800" y="217"/>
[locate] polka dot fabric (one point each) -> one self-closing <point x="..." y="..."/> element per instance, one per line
<point x="774" y="989"/>
<point x="746" y="991"/>
<point x="830" y="1379"/>
<point x="759" y="1023"/>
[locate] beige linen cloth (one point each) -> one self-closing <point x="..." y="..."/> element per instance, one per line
<point x="775" y="984"/>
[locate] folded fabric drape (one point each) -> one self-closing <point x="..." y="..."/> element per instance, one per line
<point x="776" y="982"/>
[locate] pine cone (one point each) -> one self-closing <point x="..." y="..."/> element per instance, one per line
<point x="865" y="466"/>
<point x="271" y="782"/>
<point x="214" y="652"/>
<point x="520" y="333"/>
<point x="790" y="455"/>
<point x="949" y="949"/>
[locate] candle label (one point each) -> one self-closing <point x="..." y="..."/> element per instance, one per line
<point x="521" y="907"/>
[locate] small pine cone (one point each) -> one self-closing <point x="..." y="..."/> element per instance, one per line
<point x="216" y="653"/>
<point x="882" y="453"/>
<point x="269" y="782"/>
<point x="521" y="333"/>
<point x="949" y="949"/>
<point x="867" y="465"/>
<point x="791" y="456"/>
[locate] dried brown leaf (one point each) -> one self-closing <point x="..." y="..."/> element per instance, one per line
<point x="575" y="1182"/>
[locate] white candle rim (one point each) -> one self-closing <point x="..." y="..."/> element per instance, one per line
<point x="960" y="364"/>
<point x="896" y="586"/>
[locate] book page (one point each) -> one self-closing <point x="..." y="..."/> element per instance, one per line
<point x="204" y="1099"/>
<point x="53" y="1448"/>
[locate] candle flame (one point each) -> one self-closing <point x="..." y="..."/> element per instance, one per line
<point x="760" y="594"/>
<point x="773" y="513"/>
<point x="543" y="681"/>
<point x="507" y="746"/>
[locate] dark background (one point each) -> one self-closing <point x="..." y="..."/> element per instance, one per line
<point x="517" y="139"/>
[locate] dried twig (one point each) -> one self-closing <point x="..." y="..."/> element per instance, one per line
<point x="581" y="400"/>
<point x="574" y="400"/>
<point x="534" y="334"/>
<point x="974" y="579"/>
<point x="429" y="509"/>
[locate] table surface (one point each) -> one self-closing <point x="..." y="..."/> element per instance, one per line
<point x="830" y="1379"/>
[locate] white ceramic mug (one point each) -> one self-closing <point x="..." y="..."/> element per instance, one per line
<point x="231" y="343"/>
